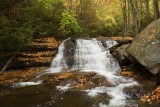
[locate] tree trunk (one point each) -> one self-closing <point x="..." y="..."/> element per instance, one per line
<point x="140" y="14"/>
<point x="128" y="17"/>
<point x="147" y="11"/>
<point x="134" y="15"/>
<point x="156" y="9"/>
<point x="123" y="5"/>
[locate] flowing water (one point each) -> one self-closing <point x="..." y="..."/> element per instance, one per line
<point x="92" y="56"/>
<point x="88" y="56"/>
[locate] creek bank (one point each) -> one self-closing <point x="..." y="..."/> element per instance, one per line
<point x="21" y="75"/>
<point x="28" y="62"/>
<point x="39" y="53"/>
<point x="152" y="97"/>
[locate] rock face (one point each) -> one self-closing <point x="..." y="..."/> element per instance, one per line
<point x="121" y="54"/>
<point x="69" y="45"/>
<point x="145" y="48"/>
<point x="119" y="50"/>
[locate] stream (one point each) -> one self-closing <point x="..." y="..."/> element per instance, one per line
<point x="88" y="64"/>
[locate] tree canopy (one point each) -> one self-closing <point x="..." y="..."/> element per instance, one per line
<point x="23" y="20"/>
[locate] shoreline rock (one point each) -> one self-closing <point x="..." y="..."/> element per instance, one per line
<point x="145" y="48"/>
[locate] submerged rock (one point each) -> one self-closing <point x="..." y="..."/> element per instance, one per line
<point x="145" y="48"/>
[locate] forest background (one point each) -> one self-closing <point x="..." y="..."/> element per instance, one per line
<point x="24" y="20"/>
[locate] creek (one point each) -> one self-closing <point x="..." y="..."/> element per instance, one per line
<point x="87" y="57"/>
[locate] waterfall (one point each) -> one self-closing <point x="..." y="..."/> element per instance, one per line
<point x="94" y="56"/>
<point x="59" y="61"/>
<point x="90" y="55"/>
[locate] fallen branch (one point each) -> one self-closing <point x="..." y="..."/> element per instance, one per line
<point x="8" y="63"/>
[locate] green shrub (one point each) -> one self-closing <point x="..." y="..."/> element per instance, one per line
<point x="69" y="25"/>
<point x="14" y="38"/>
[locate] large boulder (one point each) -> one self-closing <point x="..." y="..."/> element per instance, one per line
<point x="145" y="48"/>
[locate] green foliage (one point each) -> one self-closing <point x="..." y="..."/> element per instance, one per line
<point x="88" y="18"/>
<point x="14" y="38"/>
<point x="22" y="20"/>
<point x="110" y="26"/>
<point x="4" y="21"/>
<point x="69" y="25"/>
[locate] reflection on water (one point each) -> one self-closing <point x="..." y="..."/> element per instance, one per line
<point x="47" y="96"/>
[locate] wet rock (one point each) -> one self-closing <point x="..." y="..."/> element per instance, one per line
<point x="77" y="80"/>
<point x="145" y="48"/>
<point x="99" y="80"/>
<point x="121" y="55"/>
<point x="121" y="40"/>
<point x="69" y="45"/>
<point x="119" y="49"/>
<point x="134" y="92"/>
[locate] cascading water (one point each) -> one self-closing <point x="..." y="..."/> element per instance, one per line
<point x="59" y="62"/>
<point x="92" y="56"/>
